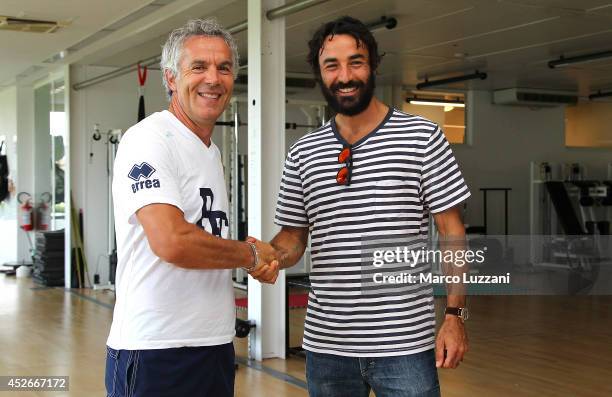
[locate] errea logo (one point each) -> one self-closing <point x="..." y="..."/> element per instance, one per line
<point x="143" y="171"/>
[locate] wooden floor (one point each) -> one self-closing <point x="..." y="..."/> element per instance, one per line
<point x="520" y="346"/>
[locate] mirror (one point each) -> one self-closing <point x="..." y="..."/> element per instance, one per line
<point x="50" y="150"/>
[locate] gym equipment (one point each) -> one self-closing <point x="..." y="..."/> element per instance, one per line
<point x="569" y="214"/>
<point x="483" y="229"/>
<point x="499" y="256"/>
<point x="113" y="137"/>
<point x="243" y="327"/>
<point x="48" y="269"/>
<point x="142" y="78"/>
<point x="230" y="124"/>
<point x="581" y="206"/>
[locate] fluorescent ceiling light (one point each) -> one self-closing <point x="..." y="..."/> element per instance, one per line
<point x="562" y="61"/>
<point x="435" y="102"/>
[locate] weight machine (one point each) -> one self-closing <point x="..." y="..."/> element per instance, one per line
<point x="570" y="223"/>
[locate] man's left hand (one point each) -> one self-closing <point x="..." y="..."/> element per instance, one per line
<point x="452" y="338"/>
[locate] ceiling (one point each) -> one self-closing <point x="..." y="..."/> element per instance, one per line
<point x="23" y="50"/>
<point x="511" y="40"/>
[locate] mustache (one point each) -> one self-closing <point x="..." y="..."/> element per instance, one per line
<point x="348" y="84"/>
<point x="212" y="89"/>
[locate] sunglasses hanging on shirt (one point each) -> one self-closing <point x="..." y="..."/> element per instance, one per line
<point x="343" y="177"/>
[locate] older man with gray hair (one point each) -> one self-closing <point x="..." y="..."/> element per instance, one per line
<point x="174" y="315"/>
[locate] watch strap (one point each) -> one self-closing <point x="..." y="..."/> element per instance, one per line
<point x="455" y="311"/>
<point x="460" y="312"/>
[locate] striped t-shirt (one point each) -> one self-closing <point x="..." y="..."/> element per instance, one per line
<point x="401" y="172"/>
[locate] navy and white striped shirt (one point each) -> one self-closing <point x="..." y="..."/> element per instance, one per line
<point x="402" y="171"/>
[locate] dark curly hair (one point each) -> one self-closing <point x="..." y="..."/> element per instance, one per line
<point x="343" y="25"/>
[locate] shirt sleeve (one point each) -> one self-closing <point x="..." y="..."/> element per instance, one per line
<point x="144" y="174"/>
<point x="290" y="207"/>
<point x="442" y="184"/>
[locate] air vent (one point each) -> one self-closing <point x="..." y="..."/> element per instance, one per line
<point x="548" y="98"/>
<point x="531" y="97"/>
<point x="29" y="25"/>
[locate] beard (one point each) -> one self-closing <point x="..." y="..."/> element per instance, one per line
<point x="350" y="105"/>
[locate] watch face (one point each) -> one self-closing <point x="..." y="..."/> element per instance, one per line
<point x="464" y="314"/>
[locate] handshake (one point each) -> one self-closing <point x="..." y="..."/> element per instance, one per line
<point x="268" y="264"/>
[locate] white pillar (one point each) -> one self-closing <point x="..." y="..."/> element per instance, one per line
<point x="266" y="154"/>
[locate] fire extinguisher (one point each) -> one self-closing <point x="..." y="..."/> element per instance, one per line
<point x="43" y="212"/>
<point x="26" y="211"/>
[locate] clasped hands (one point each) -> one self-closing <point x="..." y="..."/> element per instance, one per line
<point x="269" y="264"/>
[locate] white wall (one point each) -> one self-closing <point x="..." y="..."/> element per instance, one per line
<point x="505" y="139"/>
<point x="8" y="209"/>
<point x="112" y="104"/>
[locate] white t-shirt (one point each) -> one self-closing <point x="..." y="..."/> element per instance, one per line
<point x="160" y="305"/>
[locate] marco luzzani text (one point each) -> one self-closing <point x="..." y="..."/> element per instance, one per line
<point x="458" y="258"/>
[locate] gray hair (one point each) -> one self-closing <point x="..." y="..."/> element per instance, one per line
<point x="173" y="48"/>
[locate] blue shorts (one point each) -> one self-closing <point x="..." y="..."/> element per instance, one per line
<point x="184" y="371"/>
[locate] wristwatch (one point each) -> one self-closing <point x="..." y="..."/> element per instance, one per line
<point x="461" y="312"/>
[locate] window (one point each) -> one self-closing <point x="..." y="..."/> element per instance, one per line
<point x="442" y="111"/>
<point x="588" y="125"/>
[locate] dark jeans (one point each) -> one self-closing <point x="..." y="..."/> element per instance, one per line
<point x="399" y="376"/>
<point x="186" y="371"/>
